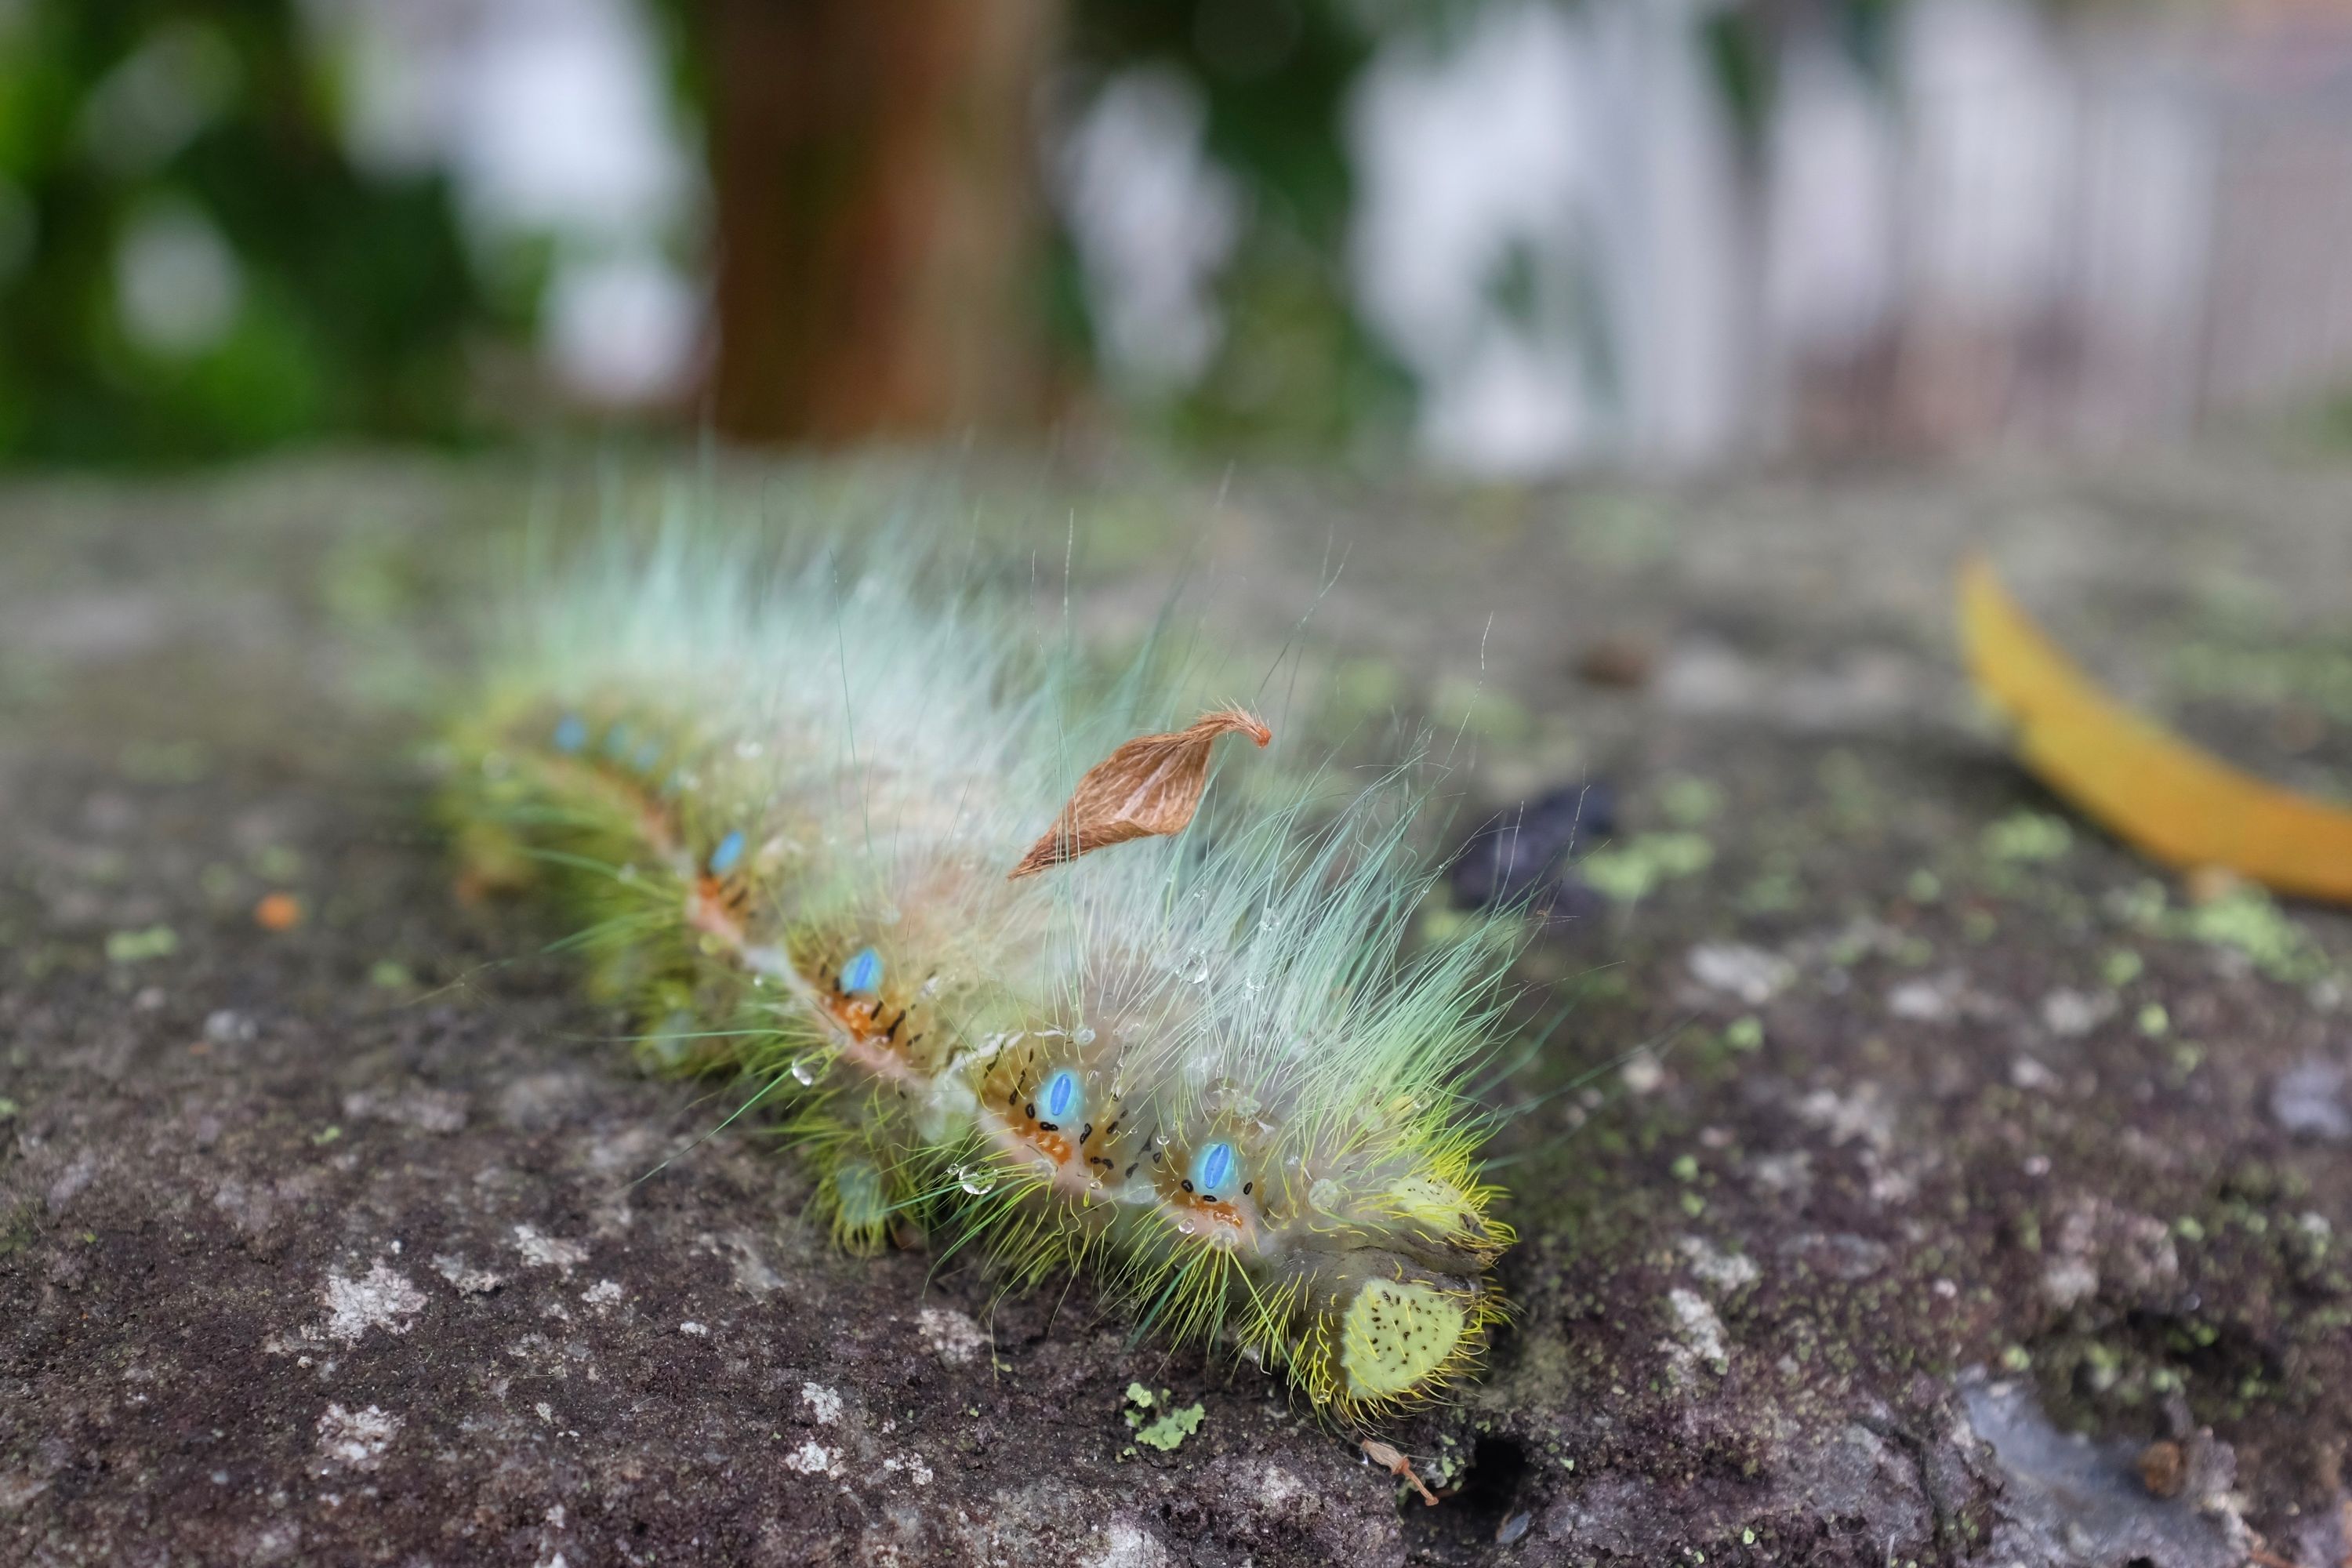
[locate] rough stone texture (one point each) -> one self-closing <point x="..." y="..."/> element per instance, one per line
<point x="1890" y="1172"/>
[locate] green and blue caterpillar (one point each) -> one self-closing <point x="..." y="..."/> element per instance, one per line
<point x="1200" y="1067"/>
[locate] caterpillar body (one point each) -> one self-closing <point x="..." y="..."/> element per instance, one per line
<point x="1199" y="1066"/>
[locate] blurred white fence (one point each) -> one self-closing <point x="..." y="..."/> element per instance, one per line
<point x="2102" y="230"/>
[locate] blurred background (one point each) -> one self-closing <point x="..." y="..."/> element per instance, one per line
<point x="1514" y="237"/>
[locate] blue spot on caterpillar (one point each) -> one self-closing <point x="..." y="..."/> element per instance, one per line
<point x="1062" y="1098"/>
<point x="571" y="733"/>
<point x="862" y="973"/>
<point x="730" y="851"/>
<point x="1213" y="1167"/>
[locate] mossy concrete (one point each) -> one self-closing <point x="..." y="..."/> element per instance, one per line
<point x="1890" y="1175"/>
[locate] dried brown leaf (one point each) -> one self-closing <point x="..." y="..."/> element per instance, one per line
<point x="1397" y="1465"/>
<point x="1150" y="786"/>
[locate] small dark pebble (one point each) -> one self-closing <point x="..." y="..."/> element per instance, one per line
<point x="1518" y="856"/>
<point x="2162" y="1468"/>
<point x="1623" y="663"/>
<point x="1512" y="1528"/>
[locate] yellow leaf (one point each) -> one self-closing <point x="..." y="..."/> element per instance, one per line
<point x="2182" y="805"/>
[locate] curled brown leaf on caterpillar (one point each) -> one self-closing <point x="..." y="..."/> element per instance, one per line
<point x="1147" y="787"/>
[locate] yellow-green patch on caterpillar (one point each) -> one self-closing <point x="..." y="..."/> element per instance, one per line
<point x="1200" y="1067"/>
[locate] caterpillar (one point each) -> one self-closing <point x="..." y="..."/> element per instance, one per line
<point x="797" y="799"/>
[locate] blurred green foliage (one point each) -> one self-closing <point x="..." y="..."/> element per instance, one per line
<point x="1742" y="45"/>
<point x="1294" y="369"/>
<point x="191" y="266"/>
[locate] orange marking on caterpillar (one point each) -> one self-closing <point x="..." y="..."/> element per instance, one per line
<point x="862" y="1019"/>
<point x="712" y="911"/>
<point x="1215" y="1209"/>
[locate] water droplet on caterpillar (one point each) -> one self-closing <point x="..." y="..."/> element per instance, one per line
<point x="1327" y="1195"/>
<point x="979" y="1184"/>
<point x="1085" y="1035"/>
<point x="804" y="1070"/>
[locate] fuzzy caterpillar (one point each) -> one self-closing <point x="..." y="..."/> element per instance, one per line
<point x="787" y="798"/>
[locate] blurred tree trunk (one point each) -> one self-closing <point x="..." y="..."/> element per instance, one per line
<point x="875" y="168"/>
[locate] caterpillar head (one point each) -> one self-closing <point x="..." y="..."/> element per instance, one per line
<point x="1401" y="1337"/>
<point x="1392" y="1314"/>
<point x="1376" y="1333"/>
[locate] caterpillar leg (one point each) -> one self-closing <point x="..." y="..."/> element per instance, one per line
<point x="491" y="862"/>
<point x="856" y="1194"/>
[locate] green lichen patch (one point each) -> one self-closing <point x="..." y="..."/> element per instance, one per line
<point x="1691" y="802"/>
<point x="2250" y="921"/>
<point x="1632" y="870"/>
<point x="19" y="1227"/>
<point x="1168" y="1432"/>
<point x="139" y="946"/>
<point x="2029" y="837"/>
